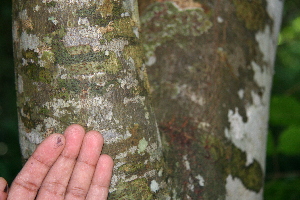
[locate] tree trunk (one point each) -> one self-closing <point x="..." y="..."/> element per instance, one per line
<point x="81" y="62"/>
<point x="210" y="66"/>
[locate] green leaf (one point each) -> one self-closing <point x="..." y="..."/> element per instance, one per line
<point x="287" y="189"/>
<point x="289" y="141"/>
<point x="285" y="111"/>
<point x="270" y="145"/>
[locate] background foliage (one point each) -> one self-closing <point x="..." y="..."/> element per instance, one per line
<point x="283" y="153"/>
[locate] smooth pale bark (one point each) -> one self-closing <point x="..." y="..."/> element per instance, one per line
<point x="210" y="66"/>
<point x="81" y="62"/>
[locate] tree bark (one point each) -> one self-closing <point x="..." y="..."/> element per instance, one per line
<point x="210" y="66"/>
<point x="81" y="62"/>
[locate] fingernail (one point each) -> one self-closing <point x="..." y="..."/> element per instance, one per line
<point x="5" y="189"/>
<point x="59" y="142"/>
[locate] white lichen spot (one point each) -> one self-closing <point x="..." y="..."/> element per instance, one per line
<point x="250" y="136"/>
<point x="64" y="76"/>
<point x="80" y="36"/>
<point x="241" y="93"/>
<point x="201" y="180"/>
<point x="109" y="115"/>
<point x="121" y="155"/>
<point x="20" y="84"/>
<point x="47" y="1"/>
<point x="152" y="149"/>
<point x="29" y="41"/>
<point x="23" y="15"/>
<point x="235" y="190"/>
<point x="33" y="135"/>
<point x="147" y="115"/>
<point x="125" y="14"/>
<point x="58" y="106"/>
<point x="83" y="21"/>
<point x="150" y="173"/>
<point x="15" y="29"/>
<point x="236" y="125"/>
<point x="191" y="184"/>
<point x="36" y="8"/>
<point x="267" y="39"/>
<point x="142" y="145"/>
<point x="50" y="122"/>
<point x="114" y="180"/>
<point x="197" y="99"/>
<point x="220" y="19"/>
<point x="53" y="20"/>
<point x="111" y="135"/>
<point x="24" y="62"/>
<point x="133" y="177"/>
<point x="132" y="149"/>
<point x="136" y="99"/>
<point x="160" y="173"/>
<point x="151" y="60"/>
<point x="187" y="92"/>
<point x="186" y="162"/>
<point x="128" y="82"/>
<point x="136" y="31"/>
<point x="203" y="125"/>
<point x="154" y="186"/>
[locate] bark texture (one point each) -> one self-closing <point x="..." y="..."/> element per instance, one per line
<point x="81" y="62"/>
<point x="210" y="66"/>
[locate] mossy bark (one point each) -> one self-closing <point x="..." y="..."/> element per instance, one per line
<point x="81" y="62"/>
<point x="210" y="66"/>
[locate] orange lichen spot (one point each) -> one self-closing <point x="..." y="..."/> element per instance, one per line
<point x="27" y="24"/>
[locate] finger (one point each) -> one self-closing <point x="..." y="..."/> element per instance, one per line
<point x="85" y="166"/>
<point x="29" y="180"/>
<point x="101" y="180"/>
<point x="3" y="189"/>
<point x="56" y="181"/>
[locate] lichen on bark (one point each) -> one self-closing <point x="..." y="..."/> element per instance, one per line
<point x="199" y="80"/>
<point x="80" y="62"/>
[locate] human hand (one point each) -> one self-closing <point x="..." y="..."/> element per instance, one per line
<point x="68" y="166"/>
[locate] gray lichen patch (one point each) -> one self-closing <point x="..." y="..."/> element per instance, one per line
<point x="78" y="36"/>
<point x="159" y="20"/>
<point x="29" y="41"/>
